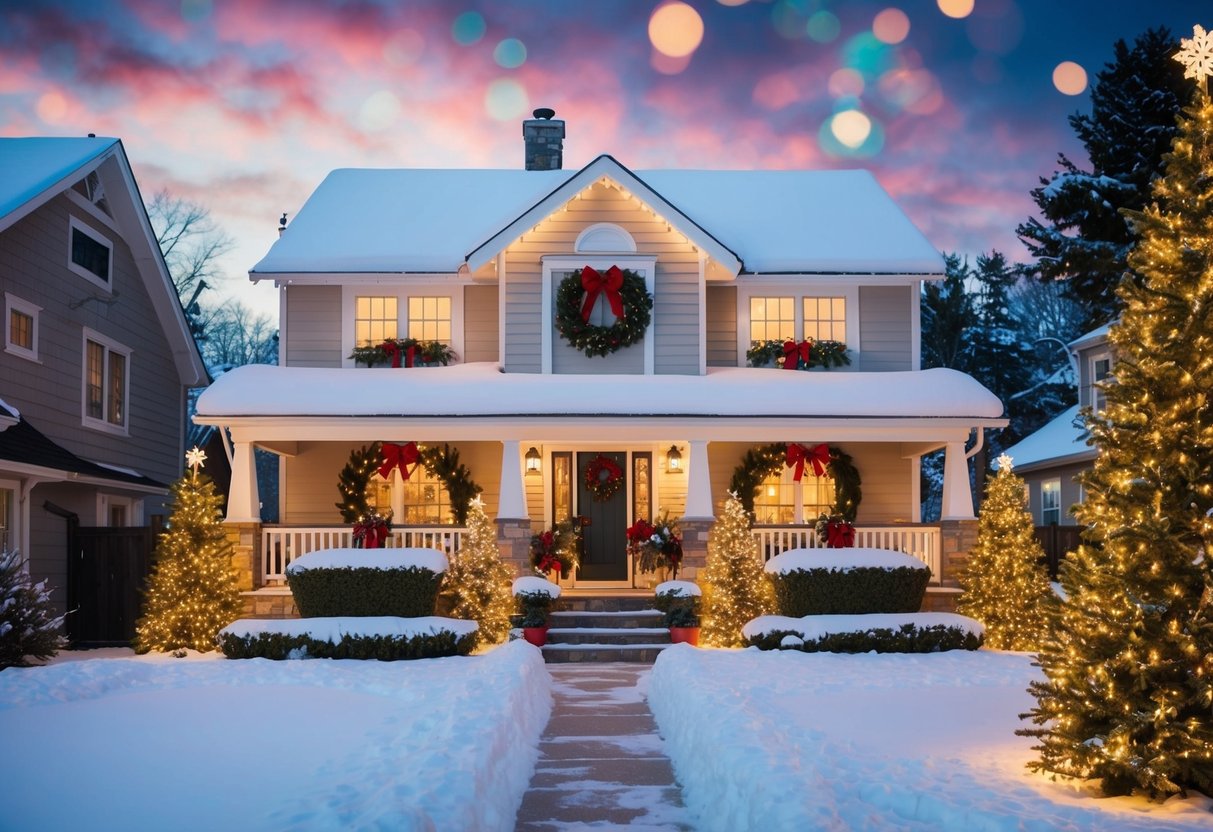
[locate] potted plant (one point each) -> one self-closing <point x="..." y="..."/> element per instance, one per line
<point x="555" y="549"/>
<point x="656" y="546"/>
<point x="534" y="598"/>
<point x="679" y="600"/>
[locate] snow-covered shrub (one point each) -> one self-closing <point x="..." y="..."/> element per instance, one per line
<point x="533" y="607"/>
<point x="847" y="582"/>
<point x="367" y="582"/>
<point x="28" y="626"/>
<point x="929" y="632"/>
<point x="679" y="603"/>
<point x="384" y="638"/>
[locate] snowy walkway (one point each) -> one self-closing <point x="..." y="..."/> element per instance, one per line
<point x="601" y="762"/>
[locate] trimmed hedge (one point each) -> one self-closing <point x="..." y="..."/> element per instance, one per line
<point x="280" y="646"/>
<point x="906" y="639"/>
<point x="856" y="591"/>
<point x="363" y="591"/>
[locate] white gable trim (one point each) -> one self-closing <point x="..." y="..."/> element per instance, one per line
<point x="604" y="167"/>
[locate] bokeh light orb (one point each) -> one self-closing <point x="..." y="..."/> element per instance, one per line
<point x="823" y="26"/>
<point x="864" y="53"/>
<point x="845" y="82"/>
<point x="506" y="100"/>
<point x="1069" y="78"/>
<point x="732" y="2"/>
<point x="956" y="8"/>
<point x="510" y="53"/>
<point x="851" y="127"/>
<point x="851" y="123"/>
<point x="891" y="26"/>
<point x="51" y="107"/>
<point x="675" y="29"/>
<point x="380" y="111"/>
<point x="468" y="28"/>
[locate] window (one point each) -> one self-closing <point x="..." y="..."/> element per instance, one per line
<point x="825" y="319"/>
<point x="91" y="255"/>
<point x="106" y="383"/>
<point x="782" y="501"/>
<point x="430" y="319"/>
<point x="1101" y="368"/>
<point x="375" y="320"/>
<point x="21" y="327"/>
<point x="8" y="540"/>
<point x="772" y="319"/>
<point x="421" y="500"/>
<point x="1050" y="502"/>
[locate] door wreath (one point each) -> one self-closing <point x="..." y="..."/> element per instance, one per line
<point x="625" y="293"/>
<point x="603" y="477"/>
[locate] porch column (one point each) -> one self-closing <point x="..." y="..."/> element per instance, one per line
<point x="957" y="495"/>
<point x="512" y="505"/>
<point x="699" y="484"/>
<point x="243" y="502"/>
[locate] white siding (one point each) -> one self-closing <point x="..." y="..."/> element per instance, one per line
<point x="884" y="328"/>
<point x="313" y="331"/>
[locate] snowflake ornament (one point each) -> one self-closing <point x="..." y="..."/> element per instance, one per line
<point x="194" y="458"/>
<point x="1196" y="54"/>
<point x="1005" y="463"/>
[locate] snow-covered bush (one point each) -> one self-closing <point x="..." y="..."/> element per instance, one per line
<point x="679" y="600"/>
<point x="28" y="626"/>
<point x="888" y="633"/>
<point x="384" y="639"/>
<point x="367" y="582"/>
<point x="847" y="582"/>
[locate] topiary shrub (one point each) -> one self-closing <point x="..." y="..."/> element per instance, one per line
<point x="679" y="600"/>
<point x="908" y="638"/>
<point x="847" y="582"/>
<point x="366" y="582"/>
<point x="384" y="648"/>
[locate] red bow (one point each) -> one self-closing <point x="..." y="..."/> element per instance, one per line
<point x="398" y="456"/>
<point x="840" y="535"/>
<point x="818" y="456"/>
<point x="794" y="353"/>
<point x="595" y="282"/>
<point x="392" y="351"/>
<point x="370" y="535"/>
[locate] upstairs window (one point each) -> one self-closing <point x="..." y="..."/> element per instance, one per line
<point x="1101" y="368"/>
<point x="825" y="319"/>
<point x="772" y="319"/>
<point x="375" y="320"/>
<point x="1050" y="502"/>
<point x="106" y="383"/>
<point x="430" y="318"/>
<point x="21" y="327"/>
<point x="91" y="254"/>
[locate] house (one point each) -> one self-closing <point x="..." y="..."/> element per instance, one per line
<point x="96" y="358"/>
<point x="557" y="381"/>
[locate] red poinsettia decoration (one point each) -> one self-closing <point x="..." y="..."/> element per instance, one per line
<point x="371" y="531"/>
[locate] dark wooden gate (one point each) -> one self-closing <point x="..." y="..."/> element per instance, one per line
<point x="605" y="553"/>
<point x="1056" y="540"/>
<point x="106" y="570"/>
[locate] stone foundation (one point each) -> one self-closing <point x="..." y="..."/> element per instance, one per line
<point x="956" y="540"/>
<point x="246" y="556"/>
<point x="695" y="535"/>
<point x="940" y="599"/>
<point x="269" y="603"/>
<point x="514" y="540"/>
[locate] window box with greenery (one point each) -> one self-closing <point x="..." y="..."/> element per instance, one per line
<point x="404" y="352"/>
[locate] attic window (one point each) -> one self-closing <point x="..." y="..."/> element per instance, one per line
<point x="605" y="237"/>
<point x="90" y="254"/>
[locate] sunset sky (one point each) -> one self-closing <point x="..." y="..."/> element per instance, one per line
<point x="245" y="105"/>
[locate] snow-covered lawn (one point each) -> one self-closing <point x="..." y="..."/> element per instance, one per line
<point x="205" y="743"/>
<point x="789" y="740"/>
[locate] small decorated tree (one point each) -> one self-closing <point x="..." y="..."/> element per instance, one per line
<point x="192" y="592"/>
<point x="29" y="628"/>
<point x="736" y="589"/>
<point x="478" y="581"/>
<point x="1005" y="585"/>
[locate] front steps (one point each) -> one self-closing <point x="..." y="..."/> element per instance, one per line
<point x="605" y="628"/>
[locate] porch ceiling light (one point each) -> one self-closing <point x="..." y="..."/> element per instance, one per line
<point x="673" y="460"/>
<point x="534" y="462"/>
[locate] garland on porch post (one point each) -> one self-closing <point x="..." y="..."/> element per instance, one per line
<point x="767" y="460"/>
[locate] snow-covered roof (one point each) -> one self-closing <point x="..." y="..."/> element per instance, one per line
<point x="1091" y="338"/>
<point x="1062" y="440"/>
<point x="393" y="220"/>
<point x="30" y="167"/>
<point x="480" y="389"/>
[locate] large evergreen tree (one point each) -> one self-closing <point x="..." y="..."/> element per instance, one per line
<point x="1084" y="238"/>
<point x="735" y="588"/>
<point x="478" y="581"/>
<point x="1129" y="686"/>
<point x="948" y="317"/>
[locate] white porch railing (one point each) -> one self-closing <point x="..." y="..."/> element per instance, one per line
<point x="920" y="541"/>
<point x="282" y="544"/>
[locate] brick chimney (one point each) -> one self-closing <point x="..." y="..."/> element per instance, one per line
<point x="543" y="136"/>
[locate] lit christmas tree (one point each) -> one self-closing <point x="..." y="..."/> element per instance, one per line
<point x="1130" y="673"/>
<point x="192" y="592"/>
<point x="479" y="580"/>
<point x="735" y="588"/>
<point x="1005" y="586"/>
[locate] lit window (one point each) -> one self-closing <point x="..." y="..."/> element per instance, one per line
<point x="825" y="319"/>
<point x="1101" y="368"/>
<point x="106" y="383"/>
<point x="375" y="320"/>
<point x="779" y="496"/>
<point x="91" y="254"/>
<point x="772" y="319"/>
<point x="1050" y="502"/>
<point x="21" y="327"/>
<point x="430" y="319"/>
<point x="424" y="499"/>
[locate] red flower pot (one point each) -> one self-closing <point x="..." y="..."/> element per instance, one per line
<point x="537" y="636"/>
<point x="685" y="635"/>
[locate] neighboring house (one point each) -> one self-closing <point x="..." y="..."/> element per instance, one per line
<point x="1050" y="459"/>
<point x="96" y="356"/>
<point x="475" y="259"/>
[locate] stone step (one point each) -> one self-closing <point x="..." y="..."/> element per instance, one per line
<point x="616" y="620"/>
<point x="574" y="601"/>
<point x="608" y="635"/>
<point x="590" y="653"/>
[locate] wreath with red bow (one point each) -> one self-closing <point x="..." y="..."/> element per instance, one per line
<point x="603" y="477"/>
<point x="624" y="292"/>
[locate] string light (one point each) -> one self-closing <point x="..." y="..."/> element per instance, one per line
<point x="478" y="581"/>
<point x="735" y="588"/>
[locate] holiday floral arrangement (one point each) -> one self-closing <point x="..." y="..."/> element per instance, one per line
<point x="372" y="529"/>
<point x="835" y="531"/>
<point x="556" y="549"/>
<point x="657" y="545"/>
<point x="603" y="477"/>
<point x="404" y="352"/>
<point x="804" y="355"/>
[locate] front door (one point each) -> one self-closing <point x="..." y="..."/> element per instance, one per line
<point x="604" y="556"/>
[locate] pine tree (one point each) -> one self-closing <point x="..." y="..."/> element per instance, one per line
<point x="192" y="592"/>
<point x="479" y="581"/>
<point x="948" y="318"/>
<point x="1084" y="238"/>
<point x="735" y="588"/>
<point x="1005" y="585"/>
<point x="1130" y="670"/>
<point x="29" y="627"/>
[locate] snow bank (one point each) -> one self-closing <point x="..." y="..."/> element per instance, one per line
<point x="421" y="558"/>
<point x="531" y="583"/>
<point x="814" y="627"/>
<point x="332" y="629"/>
<point x="841" y="560"/>
<point x="680" y="588"/>
<point x="789" y="740"/>
<point x="445" y="744"/>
